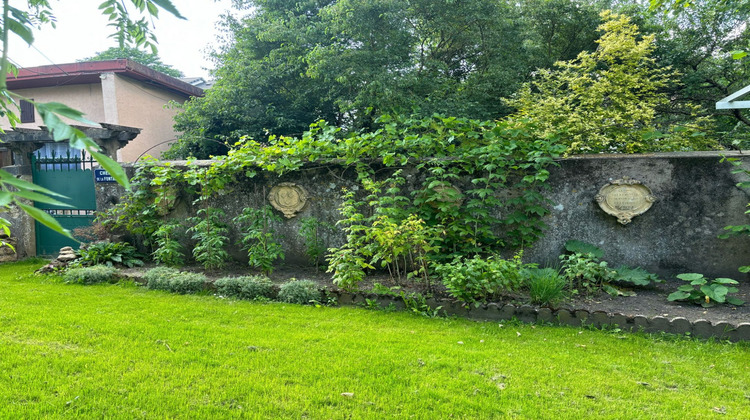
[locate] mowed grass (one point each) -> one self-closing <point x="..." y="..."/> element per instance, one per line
<point x="120" y="351"/>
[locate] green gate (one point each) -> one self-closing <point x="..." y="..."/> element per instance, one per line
<point x="71" y="176"/>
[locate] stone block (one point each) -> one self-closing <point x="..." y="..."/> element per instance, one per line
<point x="640" y="323"/>
<point x="565" y="317"/>
<point x="623" y="322"/>
<point x="507" y="312"/>
<point x="679" y="325"/>
<point x="526" y="313"/>
<point x="723" y="330"/>
<point x="743" y="332"/>
<point x="703" y="329"/>
<point x="582" y="316"/>
<point x="599" y="319"/>
<point x="544" y="315"/>
<point x="658" y="324"/>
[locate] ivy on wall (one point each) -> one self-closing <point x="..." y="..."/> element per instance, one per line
<point x="428" y="189"/>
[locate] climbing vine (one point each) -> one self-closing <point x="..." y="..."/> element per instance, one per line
<point x="427" y="190"/>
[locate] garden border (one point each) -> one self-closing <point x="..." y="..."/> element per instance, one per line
<point x="700" y="328"/>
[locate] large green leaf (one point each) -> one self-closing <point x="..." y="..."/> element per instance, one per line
<point x="6" y="178"/>
<point x="40" y="198"/>
<point x="679" y="295"/>
<point x="581" y="247"/>
<point x="45" y="219"/>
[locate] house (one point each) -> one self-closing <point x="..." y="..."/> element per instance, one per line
<point x="117" y="92"/>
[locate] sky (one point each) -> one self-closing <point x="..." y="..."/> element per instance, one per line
<point x="82" y="32"/>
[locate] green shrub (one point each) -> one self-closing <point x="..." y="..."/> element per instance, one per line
<point x="109" y="253"/>
<point x="246" y="287"/>
<point x="173" y="280"/>
<point x="586" y="273"/>
<point x="479" y="279"/>
<point x="706" y="292"/>
<point x="300" y="291"/>
<point x="546" y="286"/>
<point x="92" y="275"/>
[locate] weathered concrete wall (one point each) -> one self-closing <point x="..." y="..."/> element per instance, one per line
<point x="696" y="197"/>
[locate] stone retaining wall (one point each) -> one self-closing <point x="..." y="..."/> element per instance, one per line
<point x="695" y="197"/>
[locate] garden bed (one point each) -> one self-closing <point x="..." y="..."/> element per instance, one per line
<point x="648" y="310"/>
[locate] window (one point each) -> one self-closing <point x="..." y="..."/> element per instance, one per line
<point x="27" y="112"/>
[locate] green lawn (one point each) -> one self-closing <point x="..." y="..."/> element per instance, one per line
<point x="120" y="351"/>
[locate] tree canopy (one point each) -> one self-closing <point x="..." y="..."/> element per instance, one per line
<point x="291" y="63"/>
<point x="148" y="59"/>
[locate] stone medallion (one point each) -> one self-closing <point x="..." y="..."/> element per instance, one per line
<point x="625" y="198"/>
<point x="288" y="198"/>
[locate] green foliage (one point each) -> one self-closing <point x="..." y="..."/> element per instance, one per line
<point x="92" y="275"/>
<point x="168" y="249"/>
<point x="290" y="64"/>
<point x="109" y="253"/>
<point x="704" y="291"/>
<point x="257" y="237"/>
<point x="546" y="285"/>
<point x="150" y="60"/>
<point x="580" y="247"/>
<point x="635" y="276"/>
<point x="735" y="230"/>
<point x="210" y="233"/>
<point x="175" y="281"/>
<point x="303" y="292"/>
<point x="312" y="230"/>
<point x="585" y="273"/>
<point x="245" y="287"/>
<point x="607" y="100"/>
<point x="478" y="279"/>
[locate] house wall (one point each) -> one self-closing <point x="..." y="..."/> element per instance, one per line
<point x="117" y="100"/>
<point x="144" y="106"/>
<point x="85" y="98"/>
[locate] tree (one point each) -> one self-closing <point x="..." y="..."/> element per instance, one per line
<point x="22" y="23"/>
<point x="150" y="60"/>
<point x="291" y="63"/>
<point x="607" y="100"/>
<point x="703" y="45"/>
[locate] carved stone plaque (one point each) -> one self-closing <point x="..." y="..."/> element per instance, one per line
<point x="288" y="198"/>
<point x="625" y="198"/>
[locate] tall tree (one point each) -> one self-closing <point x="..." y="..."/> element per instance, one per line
<point x="607" y="100"/>
<point x="290" y="63"/>
<point x="148" y="59"/>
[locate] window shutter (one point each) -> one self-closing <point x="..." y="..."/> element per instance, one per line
<point x="27" y="112"/>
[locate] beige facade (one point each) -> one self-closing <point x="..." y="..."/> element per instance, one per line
<point x="121" y="93"/>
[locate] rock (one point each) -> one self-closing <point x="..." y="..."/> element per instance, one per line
<point x="67" y="254"/>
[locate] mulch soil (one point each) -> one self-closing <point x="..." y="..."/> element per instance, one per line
<point x="648" y="302"/>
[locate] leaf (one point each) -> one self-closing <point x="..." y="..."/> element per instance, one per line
<point x="168" y="6"/>
<point x="679" y="295"/>
<point x="114" y="169"/>
<point x="738" y="54"/>
<point x="581" y="247"/>
<point x="21" y="30"/>
<point x="735" y="301"/>
<point x="690" y="276"/>
<point x="63" y="111"/>
<point x="40" y="198"/>
<point x="45" y="219"/>
<point x="6" y="178"/>
<point x="724" y="280"/>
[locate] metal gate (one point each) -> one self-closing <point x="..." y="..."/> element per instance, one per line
<point x="68" y="174"/>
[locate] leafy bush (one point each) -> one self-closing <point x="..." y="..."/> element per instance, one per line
<point x="109" y="253"/>
<point x="704" y="292"/>
<point x="92" y="275"/>
<point x="300" y="291"/>
<point x="257" y="237"/>
<point x="479" y="279"/>
<point x="586" y="273"/>
<point x="210" y="233"/>
<point x="246" y="287"/>
<point x="546" y="285"/>
<point x="173" y="280"/>
<point x="168" y="250"/>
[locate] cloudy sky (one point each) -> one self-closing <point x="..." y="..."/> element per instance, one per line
<point x="81" y="32"/>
